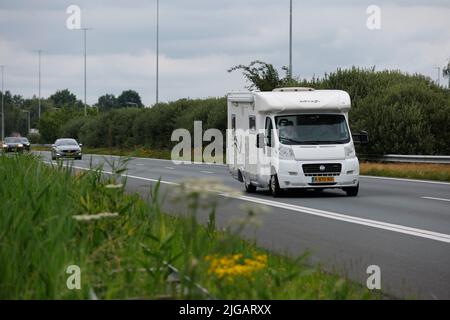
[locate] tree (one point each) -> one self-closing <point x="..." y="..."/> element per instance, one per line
<point x="51" y="123"/>
<point x="129" y="98"/>
<point x="63" y="98"/>
<point x="107" y="102"/>
<point x="263" y="76"/>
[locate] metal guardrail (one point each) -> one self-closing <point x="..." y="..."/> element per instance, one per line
<point x="382" y="158"/>
<point x="407" y="158"/>
<point x="41" y="145"/>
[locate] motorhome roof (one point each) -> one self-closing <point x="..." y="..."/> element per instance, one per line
<point x="280" y="101"/>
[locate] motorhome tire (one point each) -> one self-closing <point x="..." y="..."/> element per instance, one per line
<point x="352" y="191"/>
<point x="248" y="186"/>
<point x="275" y="186"/>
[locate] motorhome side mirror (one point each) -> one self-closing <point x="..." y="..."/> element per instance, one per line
<point x="80" y="144"/>
<point x="53" y="145"/>
<point x="361" y="138"/>
<point x="260" y="140"/>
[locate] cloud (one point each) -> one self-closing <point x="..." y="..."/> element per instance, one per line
<point x="201" y="39"/>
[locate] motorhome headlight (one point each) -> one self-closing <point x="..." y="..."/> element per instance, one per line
<point x="350" y="151"/>
<point x="286" y="153"/>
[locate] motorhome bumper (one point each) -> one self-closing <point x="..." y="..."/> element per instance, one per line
<point x="291" y="175"/>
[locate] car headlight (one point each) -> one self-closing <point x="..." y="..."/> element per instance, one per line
<point x="5" y="146"/>
<point x="350" y="151"/>
<point x="20" y="145"/>
<point x="286" y="153"/>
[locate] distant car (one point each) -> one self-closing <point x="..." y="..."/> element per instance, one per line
<point x="13" y="144"/>
<point x="66" y="148"/>
<point x="26" y="144"/>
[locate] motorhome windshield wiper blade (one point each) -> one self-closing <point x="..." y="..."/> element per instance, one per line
<point x="323" y="142"/>
<point x="291" y="140"/>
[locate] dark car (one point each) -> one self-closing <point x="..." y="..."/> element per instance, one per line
<point x="13" y="144"/>
<point x="26" y="144"/>
<point x="66" y="148"/>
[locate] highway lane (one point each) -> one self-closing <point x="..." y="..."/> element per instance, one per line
<point x="401" y="226"/>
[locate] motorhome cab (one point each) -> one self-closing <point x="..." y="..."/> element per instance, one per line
<point x="292" y="138"/>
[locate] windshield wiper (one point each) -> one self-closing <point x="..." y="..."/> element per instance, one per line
<point x="324" y="142"/>
<point x="291" y="140"/>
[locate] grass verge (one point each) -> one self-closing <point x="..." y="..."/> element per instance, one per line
<point x="426" y="171"/>
<point x="54" y="217"/>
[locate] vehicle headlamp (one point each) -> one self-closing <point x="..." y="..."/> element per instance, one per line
<point x="286" y="153"/>
<point x="350" y="151"/>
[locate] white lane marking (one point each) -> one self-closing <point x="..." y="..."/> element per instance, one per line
<point x="439" y="199"/>
<point x="408" y="180"/>
<point x="351" y="219"/>
<point x="421" y="233"/>
<point x="170" y="168"/>
<point x="208" y="172"/>
<point x="140" y="164"/>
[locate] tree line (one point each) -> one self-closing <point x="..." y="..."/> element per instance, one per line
<point x="403" y="113"/>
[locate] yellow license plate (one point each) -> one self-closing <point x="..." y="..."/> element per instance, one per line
<point x="322" y="179"/>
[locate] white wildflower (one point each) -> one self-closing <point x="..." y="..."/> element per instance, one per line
<point x="114" y="186"/>
<point x="98" y="216"/>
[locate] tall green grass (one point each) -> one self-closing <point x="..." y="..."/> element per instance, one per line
<point x="49" y="219"/>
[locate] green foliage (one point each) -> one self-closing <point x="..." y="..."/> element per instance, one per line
<point x="260" y="75"/>
<point x="52" y="122"/>
<point x="405" y="114"/>
<point x="111" y="129"/>
<point x="107" y="102"/>
<point x="63" y="98"/>
<point x="71" y="128"/>
<point x="129" y="98"/>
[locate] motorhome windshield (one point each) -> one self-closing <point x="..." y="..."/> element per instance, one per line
<point x="312" y="129"/>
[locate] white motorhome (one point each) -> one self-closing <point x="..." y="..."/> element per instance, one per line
<point x="292" y="138"/>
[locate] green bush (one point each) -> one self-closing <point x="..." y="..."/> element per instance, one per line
<point x="403" y="113"/>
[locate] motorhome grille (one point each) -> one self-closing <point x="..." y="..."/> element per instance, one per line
<point x="314" y="168"/>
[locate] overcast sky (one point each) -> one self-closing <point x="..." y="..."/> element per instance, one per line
<point x="201" y="39"/>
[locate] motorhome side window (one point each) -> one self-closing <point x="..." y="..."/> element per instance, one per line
<point x="269" y="128"/>
<point x="233" y="122"/>
<point x="252" y="122"/>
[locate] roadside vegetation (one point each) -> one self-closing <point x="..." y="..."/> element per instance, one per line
<point x="54" y="217"/>
<point x="403" y="113"/>
<point x="426" y="171"/>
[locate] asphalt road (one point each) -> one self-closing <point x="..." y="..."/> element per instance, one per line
<point x="402" y="226"/>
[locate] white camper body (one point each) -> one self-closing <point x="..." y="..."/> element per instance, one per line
<point x="291" y="138"/>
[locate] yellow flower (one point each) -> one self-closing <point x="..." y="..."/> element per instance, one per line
<point x="230" y="267"/>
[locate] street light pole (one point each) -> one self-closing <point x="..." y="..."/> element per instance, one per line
<point x="290" y="40"/>
<point x="85" y="55"/>
<point x="157" y="52"/>
<point x="439" y="75"/>
<point x="3" y="111"/>
<point x="39" y="99"/>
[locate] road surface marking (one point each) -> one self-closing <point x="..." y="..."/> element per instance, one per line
<point x="170" y="168"/>
<point x="220" y="164"/>
<point x="439" y="199"/>
<point x="407" y="180"/>
<point x="140" y="164"/>
<point x="316" y="212"/>
<point x="351" y="219"/>
<point x="208" y="172"/>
